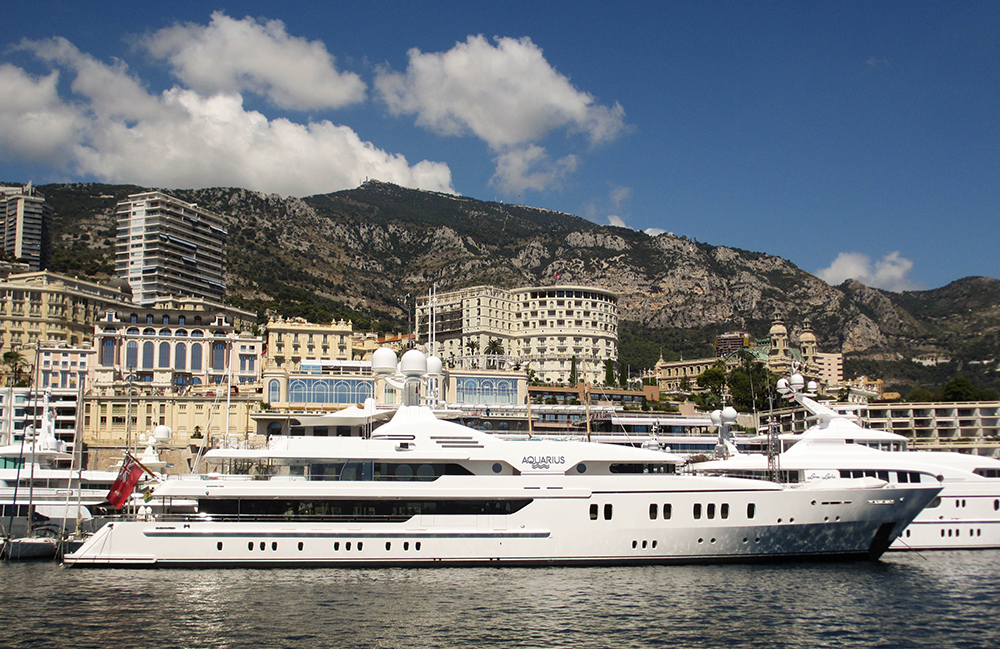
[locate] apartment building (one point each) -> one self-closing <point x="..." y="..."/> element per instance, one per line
<point x="166" y="246"/>
<point x="26" y="225"/>
<point x="48" y="308"/>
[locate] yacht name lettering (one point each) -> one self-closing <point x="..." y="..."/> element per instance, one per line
<point x="543" y="461"/>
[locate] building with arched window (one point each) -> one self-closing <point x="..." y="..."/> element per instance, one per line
<point x="167" y="350"/>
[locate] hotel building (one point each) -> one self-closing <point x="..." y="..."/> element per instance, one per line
<point x="546" y="330"/>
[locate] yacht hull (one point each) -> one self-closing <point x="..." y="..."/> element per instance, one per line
<point x="570" y="528"/>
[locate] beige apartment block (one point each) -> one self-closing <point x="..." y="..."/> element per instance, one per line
<point x="48" y="308"/>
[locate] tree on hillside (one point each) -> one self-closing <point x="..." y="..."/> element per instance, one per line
<point x="961" y="388"/>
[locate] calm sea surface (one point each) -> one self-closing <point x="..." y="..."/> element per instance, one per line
<point x="906" y="600"/>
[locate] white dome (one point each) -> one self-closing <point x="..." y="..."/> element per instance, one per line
<point x="413" y="363"/>
<point x="162" y="433"/>
<point x="384" y="361"/>
<point x="434" y="366"/>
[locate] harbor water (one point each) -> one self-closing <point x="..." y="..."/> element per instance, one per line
<point x="943" y="599"/>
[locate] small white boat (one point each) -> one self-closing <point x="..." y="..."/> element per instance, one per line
<point x="31" y="548"/>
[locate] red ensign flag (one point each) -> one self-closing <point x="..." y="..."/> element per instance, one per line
<point x="123" y="485"/>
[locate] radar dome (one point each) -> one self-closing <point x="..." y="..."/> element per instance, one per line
<point x="413" y="363"/>
<point x="162" y="433"/>
<point x="384" y="361"/>
<point x="434" y="366"/>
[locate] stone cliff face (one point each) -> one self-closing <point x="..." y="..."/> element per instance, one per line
<point x="372" y="245"/>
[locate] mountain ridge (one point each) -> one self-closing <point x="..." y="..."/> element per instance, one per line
<point x="361" y="250"/>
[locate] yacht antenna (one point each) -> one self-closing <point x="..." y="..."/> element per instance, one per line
<point x="773" y="443"/>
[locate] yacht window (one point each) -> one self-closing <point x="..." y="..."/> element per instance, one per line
<point x="934" y="503"/>
<point x="652" y="512"/>
<point x="988" y="473"/>
<point x="725" y="510"/>
<point x="711" y="510"/>
<point x="593" y="512"/>
<point x="607" y="512"/>
<point x="697" y="510"/>
<point x="751" y="510"/>
<point x="668" y="511"/>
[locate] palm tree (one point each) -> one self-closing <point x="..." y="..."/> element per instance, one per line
<point x="473" y="346"/>
<point x="15" y="361"/>
<point x="494" y="348"/>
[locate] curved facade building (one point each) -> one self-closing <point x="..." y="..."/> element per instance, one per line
<point x="540" y="328"/>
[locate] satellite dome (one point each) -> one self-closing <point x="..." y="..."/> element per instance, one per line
<point x="413" y="363"/>
<point x="384" y="361"/>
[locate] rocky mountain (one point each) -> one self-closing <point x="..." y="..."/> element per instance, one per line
<point x="360" y="251"/>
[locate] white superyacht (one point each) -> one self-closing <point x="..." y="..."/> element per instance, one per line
<point x="965" y="515"/>
<point x="424" y="492"/>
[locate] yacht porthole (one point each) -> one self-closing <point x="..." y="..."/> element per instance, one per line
<point x="745" y="539"/>
<point x="263" y="545"/>
<point x="416" y="546"/>
<point x="347" y="546"/>
<point x="406" y="545"/>
<point x="359" y="546"/>
<point x="654" y="544"/>
<point x="634" y="544"/>
<point x="388" y="545"/>
<point x="336" y="546"/>
<point x="712" y="541"/>
<point x="581" y="468"/>
<point x="701" y="540"/>
<point x="300" y="546"/>
<point x="219" y="545"/>
<point x="643" y="545"/>
<point x="791" y="520"/>
<point x="274" y="546"/>
<point x="250" y="544"/>
<point x="497" y="468"/>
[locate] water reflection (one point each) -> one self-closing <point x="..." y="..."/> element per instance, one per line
<point x="942" y="599"/>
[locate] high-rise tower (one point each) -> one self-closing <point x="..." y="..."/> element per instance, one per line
<point x="166" y="246"/>
<point x="26" y="220"/>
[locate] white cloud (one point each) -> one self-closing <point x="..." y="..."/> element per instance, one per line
<point x="654" y="232"/>
<point x="530" y="167"/>
<point x="34" y="123"/>
<point x="506" y="94"/>
<point x="117" y="131"/>
<point x="229" y="56"/>
<point x="617" y="221"/>
<point x="889" y="273"/>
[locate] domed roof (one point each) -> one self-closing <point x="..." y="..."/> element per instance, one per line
<point x="121" y="285"/>
<point x="778" y="326"/>
<point x="807" y="333"/>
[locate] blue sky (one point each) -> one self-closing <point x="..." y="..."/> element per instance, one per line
<point x="854" y="139"/>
